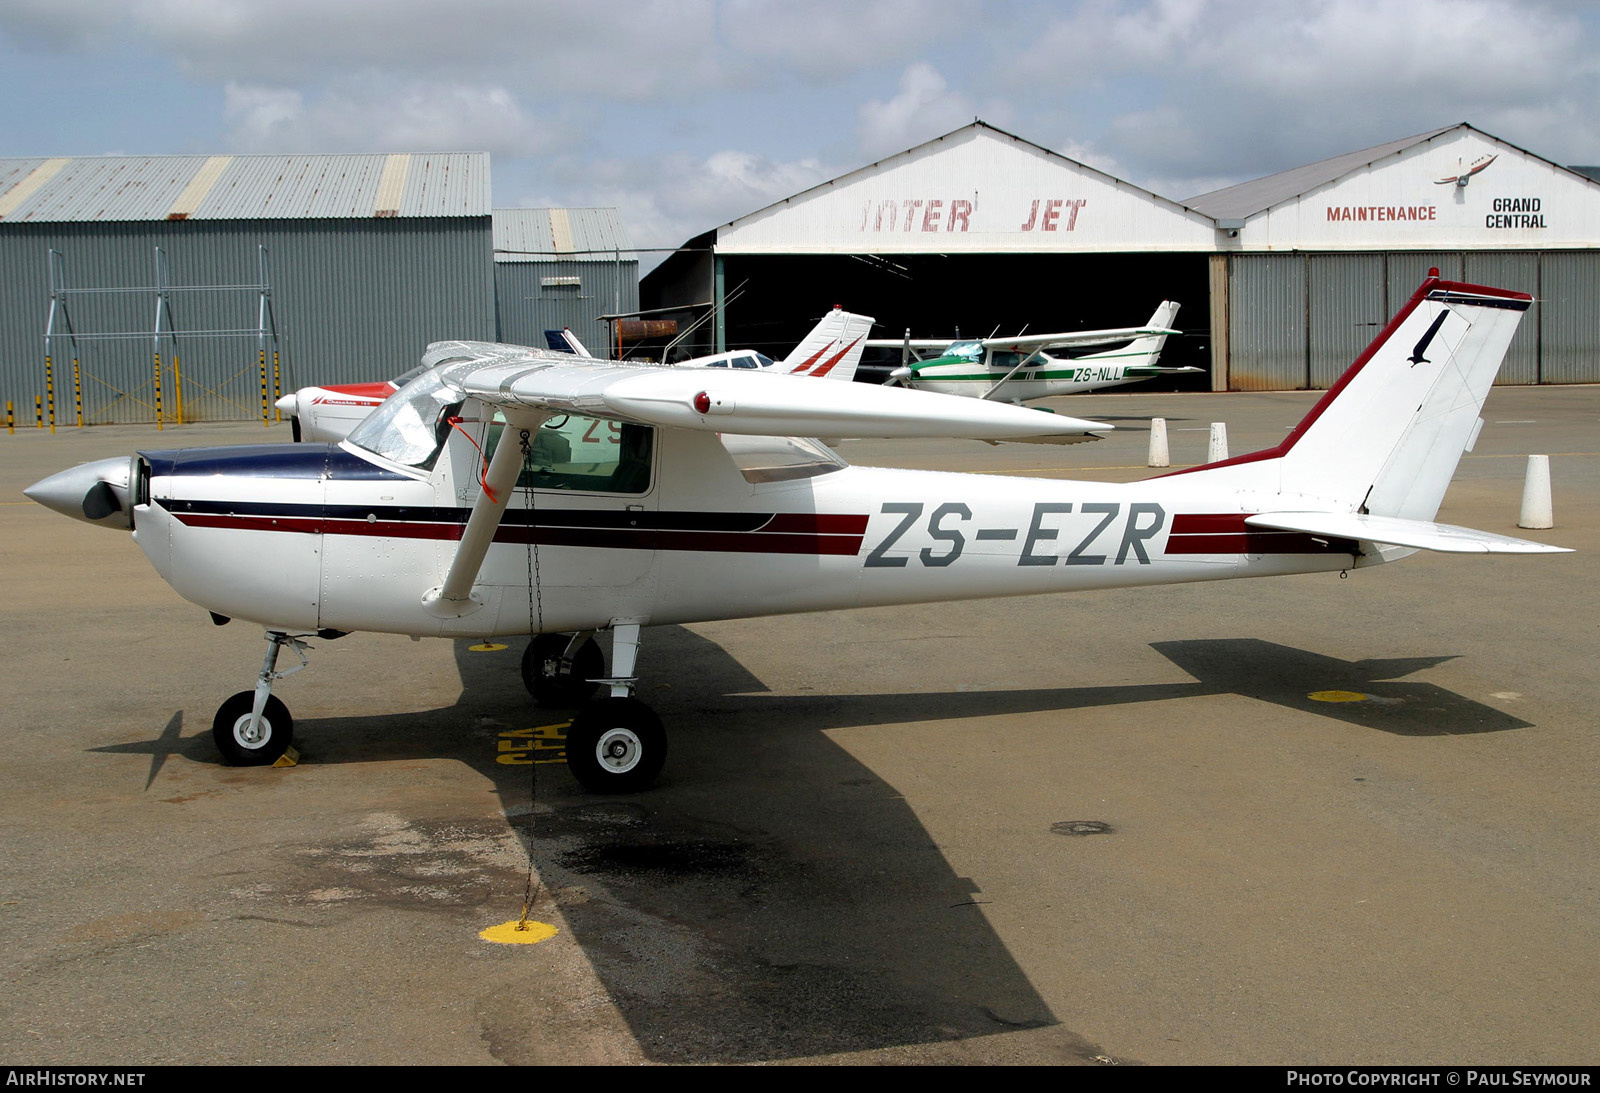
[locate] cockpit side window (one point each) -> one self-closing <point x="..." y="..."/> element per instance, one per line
<point x="593" y="455"/>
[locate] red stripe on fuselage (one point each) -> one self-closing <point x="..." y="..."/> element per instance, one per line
<point x="785" y="533"/>
<point x="1227" y="533"/>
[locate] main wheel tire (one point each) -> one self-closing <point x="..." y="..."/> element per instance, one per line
<point x="616" y="745"/>
<point x="549" y="685"/>
<point x="232" y="724"/>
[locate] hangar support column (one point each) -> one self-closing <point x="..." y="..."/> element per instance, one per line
<point x="1219" y="322"/>
<point x="718" y="285"/>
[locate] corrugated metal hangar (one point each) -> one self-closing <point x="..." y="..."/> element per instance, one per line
<point x="1283" y="280"/>
<point x="556" y="268"/>
<point x="325" y="268"/>
<point x="355" y="263"/>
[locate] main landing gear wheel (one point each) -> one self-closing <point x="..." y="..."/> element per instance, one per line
<point x="616" y="745"/>
<point x="549" y="684"/>
<point x="241" y="748"/>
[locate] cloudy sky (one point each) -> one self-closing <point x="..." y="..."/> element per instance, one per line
<point x="687" y="113"/>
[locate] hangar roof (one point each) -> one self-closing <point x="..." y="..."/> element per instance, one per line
<point x="224" y="187"/>
<point x="1456" y="188"/>
<point x="1259" y="194"/>
<point x="568" y="235"/>
<point x="1247" y="198"/>
<point x="978" y="190"/>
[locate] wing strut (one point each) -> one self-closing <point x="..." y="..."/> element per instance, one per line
<point x="1006" y="378"/>
<point x="454" y="598"/>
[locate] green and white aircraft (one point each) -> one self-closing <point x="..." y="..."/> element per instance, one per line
<point x="1017" y="369"/>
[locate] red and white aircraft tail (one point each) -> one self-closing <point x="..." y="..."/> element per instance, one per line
<point x="833" y="348"/>
<point x="1373" y="458"/>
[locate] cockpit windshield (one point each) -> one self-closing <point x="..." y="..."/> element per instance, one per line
<point x="968" y="350"/>
<point x="410" y="427"/>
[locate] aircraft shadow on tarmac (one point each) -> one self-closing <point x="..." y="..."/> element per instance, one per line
<point x="773" y="898"/>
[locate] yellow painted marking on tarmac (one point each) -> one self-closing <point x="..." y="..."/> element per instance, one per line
<point x="1337" y="696"/>
<point x="290" y="757"/>
<point x="544" y="744"/>
<point x="518" y="932"/>
<point x="488" y="647"/>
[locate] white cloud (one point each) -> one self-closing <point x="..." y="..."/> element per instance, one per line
<point x="666" y="201"/>
<point x="1190" y="92"/>
<point x="648" y="49"/>
<point x="378" y="115"/>
<point x="1177" y="95"/>
<point x="830" y="39"/>
<point x="924" y="108"/>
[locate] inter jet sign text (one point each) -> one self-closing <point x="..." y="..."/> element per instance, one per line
<point x="1045" y="214"/>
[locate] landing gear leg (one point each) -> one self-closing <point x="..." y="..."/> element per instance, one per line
<point x="253" y="728"/>
<point x="616" y="744"/>
<point x="560" y="671"/>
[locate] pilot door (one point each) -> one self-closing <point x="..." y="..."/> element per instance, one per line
<point x="576" y="547"/>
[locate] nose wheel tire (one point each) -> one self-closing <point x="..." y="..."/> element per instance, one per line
<point x="616" y="745"/>
<point x="544" y="678"/>
<point x="231" y="731"/>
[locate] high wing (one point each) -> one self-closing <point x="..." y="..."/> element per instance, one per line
<point x="532" y="385"/>
<point x="520" y="379"/>
<point x="1029" y="342"/>
<point x="934" y="344"/>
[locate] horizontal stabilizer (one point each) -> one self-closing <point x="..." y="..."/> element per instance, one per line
<point x="1422" y="534"/>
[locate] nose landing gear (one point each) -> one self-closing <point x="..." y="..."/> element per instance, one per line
<point x="253" y="728"/>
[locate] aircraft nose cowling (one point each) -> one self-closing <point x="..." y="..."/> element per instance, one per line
<point x="96" y="493"/>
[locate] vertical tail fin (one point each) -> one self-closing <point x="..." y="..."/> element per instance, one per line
<point x="565" y="341"/>
<point x="1386" y="438"/>
<point x="833" y="348"/>
<point x="1150" y="345"/>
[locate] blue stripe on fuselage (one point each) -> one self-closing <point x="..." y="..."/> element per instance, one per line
<point x="305" y="461"/>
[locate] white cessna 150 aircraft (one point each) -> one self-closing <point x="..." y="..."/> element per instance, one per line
<point x="831" y="351"/>
<point x="446" y="514"/>
<point x="1018" y="369"/>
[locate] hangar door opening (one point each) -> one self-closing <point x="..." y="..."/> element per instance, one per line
<point x="780" y="298"/>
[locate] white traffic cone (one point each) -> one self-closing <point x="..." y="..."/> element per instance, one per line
<point x="1158" y="443"/>
<point x="1219" y="442"/>
<point x="1536" y="508"/>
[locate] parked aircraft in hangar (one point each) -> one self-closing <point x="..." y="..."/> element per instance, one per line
<point x="1020" y="369"/>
